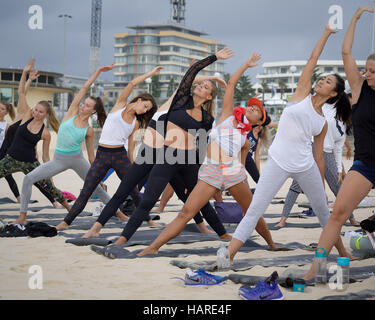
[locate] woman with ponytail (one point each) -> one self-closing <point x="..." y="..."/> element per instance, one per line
<point x="290" y="154"/>
<point x="361" y="177"/>
<point x="223" y="168"/>
<point x="73" y="130"/>
<point x="21" y="155"/>
<point x="337" y="112"/>
<point x="123" y="121"/>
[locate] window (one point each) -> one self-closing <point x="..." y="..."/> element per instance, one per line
<point x="7" y="76"/>
<point x="42" y="79"/>
<point x="328" y="69"/>
<point x="51" y="81"/>
<point x="6" y="94"/>
<point x="17" y="76"/>
<point x="284" y="70"/>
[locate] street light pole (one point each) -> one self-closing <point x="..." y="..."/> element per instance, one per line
<point x="293" y="69"/>
<point x="148" y="81"/>
<point x="65" y="16"/>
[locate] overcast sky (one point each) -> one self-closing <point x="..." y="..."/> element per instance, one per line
<point x="279" y="29"/>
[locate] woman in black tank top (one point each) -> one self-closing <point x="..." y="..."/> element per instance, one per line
<point x="21" y="155"/>
<point x="361" y="177"/>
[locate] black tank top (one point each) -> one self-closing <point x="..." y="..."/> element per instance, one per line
<point x="363" y="117"/>
<point x="8" y="139"/>
<point x="23" y="146"/>
<point x="183" y="101"/>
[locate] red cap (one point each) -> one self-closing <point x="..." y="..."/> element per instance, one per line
<point x="258" y="103"/>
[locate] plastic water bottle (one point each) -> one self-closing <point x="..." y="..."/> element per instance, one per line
<point x="223" y="260"/>
<point x="342" y="273"/>
<point x="320" y="266"/>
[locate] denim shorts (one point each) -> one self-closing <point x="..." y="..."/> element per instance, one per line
<point x="367" y="171"/>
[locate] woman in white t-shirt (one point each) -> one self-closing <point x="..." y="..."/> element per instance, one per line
<point x="290" y="154"/>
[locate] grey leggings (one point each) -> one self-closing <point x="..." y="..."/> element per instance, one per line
<point x="271" y="180"/>
<point x="51" y="168"/>
<point x="330" y="174"/>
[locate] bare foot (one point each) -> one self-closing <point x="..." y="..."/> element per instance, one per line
<point x="354" y="222"/>
<point x="280" y="225"/>
<point x="121" y="240"/>
<point x="57" y="205"/>
<point x="19" y="199"/>
<point x="157" y="210"/>
<point x="309" y="275"/>
<point x="21" y="219"/>
<point x="226" y="236"/>
<point x="152" y="223"/>
<point x="122" y="216"/>
<point x="148" y="250"/>
<point x="203" y="228"/>
<point x="62" y="226"/>
<point x="91" y="234"/>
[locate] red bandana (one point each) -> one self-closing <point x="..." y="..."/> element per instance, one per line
<point x="243" y="124"/>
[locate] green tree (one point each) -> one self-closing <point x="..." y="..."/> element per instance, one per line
<point x="171" y="88"/>
<point x="265" y="87"/>
<point x="282" y="86"/>
<point x="155" y="87"/>
<point x="244" y="89"/>
<point x="315" y="78"/>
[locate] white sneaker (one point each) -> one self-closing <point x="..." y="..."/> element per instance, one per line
<point x="98" y="210"/>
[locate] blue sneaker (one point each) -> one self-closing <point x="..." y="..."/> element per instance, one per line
<point x="201" y="277"/>
<point x="264" y="290"/>
<point x="309" y="213"/>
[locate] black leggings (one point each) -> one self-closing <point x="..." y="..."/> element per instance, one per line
<point x="160" y="175"/>
<point x="138" y="173"/>
<point x="106" y="158"/>
<point x="251" y="168"/>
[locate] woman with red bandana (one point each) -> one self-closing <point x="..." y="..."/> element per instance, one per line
<point x="223" y="167"/>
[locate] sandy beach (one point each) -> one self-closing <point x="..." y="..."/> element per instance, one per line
<point x="74" y="272"/>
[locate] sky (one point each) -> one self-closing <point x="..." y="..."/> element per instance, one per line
<point x="278" y="29"/>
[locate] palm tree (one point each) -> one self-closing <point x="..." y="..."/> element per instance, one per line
<point x="282" y="86"/>
<point x="171" y="86"/>
<point x="264" y="88"/>
<point x="155" y="87"/>
<point x="315" y="78"/>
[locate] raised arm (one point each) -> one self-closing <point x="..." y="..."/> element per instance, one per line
<point x="74" y="107"/>
<point x="354" y="76"/>
<point x="229" y="92"/>
<point x="184" y="88"/>
<point x="123" y="98"/>
<point x="304" y="84"/>
<point x="221" y="82"/>
<point x="22" y="106"/>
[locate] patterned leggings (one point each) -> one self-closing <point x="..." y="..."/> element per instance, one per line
<point x="106" y="158"/>
<point x="10" y="165"/>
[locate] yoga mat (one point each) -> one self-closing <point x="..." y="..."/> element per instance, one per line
<point x="307" y="205"/>
<point x="361" y="295"/>
<point x="300" y="225"/>
<point x="119" y="251"/>
<point x="356" y="274"/>
<point x="43" y="216"/>
<point x="9" y="200"/>
<point x="285" y="282"/>
<point x="246" y="264"/>
<point x="89" y="241"/>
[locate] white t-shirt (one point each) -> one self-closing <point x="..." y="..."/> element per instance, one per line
<point x="291" y="148"/>
<point x="335" y="138"/>
<point x="3" y="126"/>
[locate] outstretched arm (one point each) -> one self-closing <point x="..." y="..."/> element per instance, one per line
<point x="122" y="99"/>
<point x="22" y="106"/>
<point x="184" y="88"/>
<point x="74" y="107"/>
<point x="355" y="78"/>
<point x="229" y="92"/>
<point x="304" y="83"/>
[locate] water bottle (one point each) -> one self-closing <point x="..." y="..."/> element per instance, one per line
<point x="320" y="267"/>
<point x="223" y="260"/>
<point x="342" y="273"/>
